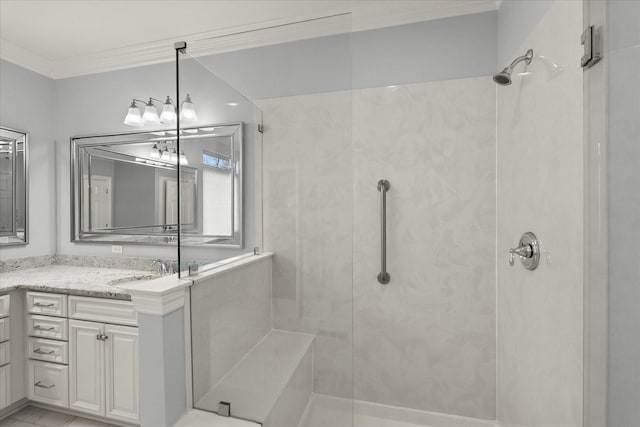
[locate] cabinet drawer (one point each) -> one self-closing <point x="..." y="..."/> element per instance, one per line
<point x="45" y="303"/>
<point x="5" y="386"/>
<point x="5" y="327"/>
<point x="48" y="383"/>
<point x="5" y="353"/>
<point x="102" y="310"/>
<point x="48" y="350"/>
<point x="4" y="305"/>
<point x="47" y="327"/>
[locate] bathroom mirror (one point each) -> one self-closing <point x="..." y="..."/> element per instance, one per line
<point x="125" y="187"/>
<point x="13" y="187"/>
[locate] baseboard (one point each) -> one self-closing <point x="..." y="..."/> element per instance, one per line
<point x="79" y="414"/>
<point x="13" y="408"/>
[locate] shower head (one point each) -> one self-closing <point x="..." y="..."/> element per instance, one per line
<point x="503" y="78"/>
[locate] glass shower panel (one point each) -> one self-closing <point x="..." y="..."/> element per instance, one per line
<point x="271" y="341"/>
<point x="218" y="140"/>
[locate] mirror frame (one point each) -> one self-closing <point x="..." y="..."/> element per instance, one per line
<point x="76" y="143"/>
<point x="25" y="240"/>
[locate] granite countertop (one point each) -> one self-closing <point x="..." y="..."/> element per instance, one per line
<point x="85" y="281"/>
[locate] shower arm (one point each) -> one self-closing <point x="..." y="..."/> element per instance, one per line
<point x="527" y="57"/>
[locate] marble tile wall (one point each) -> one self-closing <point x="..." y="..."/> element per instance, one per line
<point x="307" y="208"/>
<point x="540" y="189"/>
<point x="426" y="340"/>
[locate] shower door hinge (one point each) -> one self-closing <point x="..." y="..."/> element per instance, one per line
<point x="592" y="41"/>
<point x="260" y="128"/>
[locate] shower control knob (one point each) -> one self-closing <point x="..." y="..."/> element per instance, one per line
<point x="528" y="251"/>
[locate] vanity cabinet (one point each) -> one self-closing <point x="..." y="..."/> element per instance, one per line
<point x="47" y="330"/>
<point x="5" y="353"/>
<point x="103" y="360"/>
<point x="83" y="354"/>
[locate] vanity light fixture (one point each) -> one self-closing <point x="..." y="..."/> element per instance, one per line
<point x="167" y="116"/>
<point x="183" y="158"/>
<point x="173" y="156"/>
<point x="155" y="152"/>
<point x="133" y="117"/>
<point x="165" y="157"/>
<point x="188" y="111"/>
<point x="168" y="112"/>
<point x="150" y="113"/>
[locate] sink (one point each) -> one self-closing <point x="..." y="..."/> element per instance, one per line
<point x="132" y="280"/>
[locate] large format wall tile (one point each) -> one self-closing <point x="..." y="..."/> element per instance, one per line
<point x="427" y="339"/>
<point x="230" y="314"/>
<point x="540" y="189"/>
<point x="308" y="224"/>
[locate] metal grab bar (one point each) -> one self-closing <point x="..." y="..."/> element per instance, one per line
<point x="383" y="187"/>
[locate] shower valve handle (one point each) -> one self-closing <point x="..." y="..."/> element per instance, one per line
<point x="528" y="250"/>
<point x="525" y="251"/>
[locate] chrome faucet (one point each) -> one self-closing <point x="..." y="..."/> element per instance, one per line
<point x="161" y="267"/>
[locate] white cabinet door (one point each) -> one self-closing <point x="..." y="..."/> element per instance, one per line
<point x="86" y="367"/>
<point x="121" y="372"/>
<point x="5" y="386"/>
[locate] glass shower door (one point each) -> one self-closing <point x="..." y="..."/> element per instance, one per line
<point x="272" y="338"/>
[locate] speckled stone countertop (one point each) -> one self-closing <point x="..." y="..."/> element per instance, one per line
<point x="66" y="279"/>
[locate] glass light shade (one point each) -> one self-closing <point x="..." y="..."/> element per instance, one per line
<point x="166" y="157"/>
<point x="188" y="111"/>
<point x="133" y="117"/>
<point x="154" y="153"/>
<point x="150" y="114"/>
<point x="168" y="112"/>
<point x="183" y="159"/>
<point x="174" y="156"/>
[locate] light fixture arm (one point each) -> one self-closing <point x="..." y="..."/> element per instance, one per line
<point x="150" y="102"/>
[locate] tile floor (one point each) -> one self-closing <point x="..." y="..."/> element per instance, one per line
<point x="36" y="417"/>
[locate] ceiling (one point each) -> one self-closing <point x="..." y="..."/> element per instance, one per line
<point x="73" y="37"/>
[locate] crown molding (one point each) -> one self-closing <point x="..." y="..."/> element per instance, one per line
<point x="240" y="37"/>
<point x="22" y="57"/>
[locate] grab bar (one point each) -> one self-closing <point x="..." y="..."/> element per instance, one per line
<point x="383" y="187"/>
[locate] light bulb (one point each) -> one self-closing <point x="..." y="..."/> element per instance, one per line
<point x="154" y="153"/>
<point x="168" y="112"/>
<point x="188" y="111"/>
<point x="133" y="117"/>
<point x="150" y="113"/>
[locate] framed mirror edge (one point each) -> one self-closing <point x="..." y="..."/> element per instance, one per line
<point x="234" y="242"/>
<point x="25" y="240"/>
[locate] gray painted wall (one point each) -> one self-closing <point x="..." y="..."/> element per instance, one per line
<point x="97" y="103"/>
<point x="624" y="213"/>
<point x="413" y="53"/>
<point x="26" y="103"/>
<point x="516" y="20"/>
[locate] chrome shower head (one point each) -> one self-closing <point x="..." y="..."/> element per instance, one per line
<point x="503" y="78"/>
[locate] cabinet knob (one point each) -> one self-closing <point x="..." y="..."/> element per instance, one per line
<point x="102" y="337"/>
